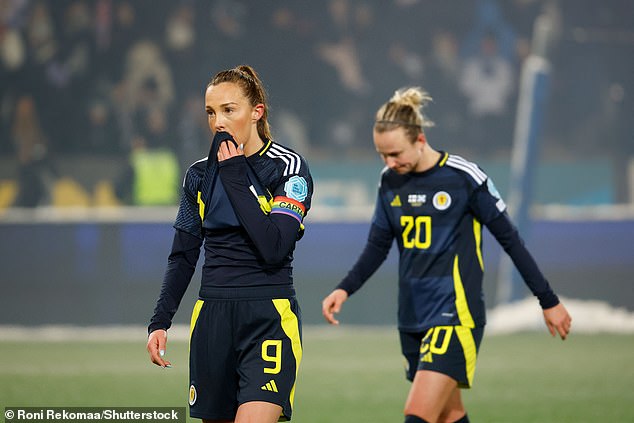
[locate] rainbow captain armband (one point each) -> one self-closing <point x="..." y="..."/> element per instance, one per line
<point x="288" y="206"/>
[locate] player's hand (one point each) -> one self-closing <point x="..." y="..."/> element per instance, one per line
<point x="332" y="304"/>
<point x="228" y="149"/>
<point x="558" y="320"/>
<point x="156" y="343"/>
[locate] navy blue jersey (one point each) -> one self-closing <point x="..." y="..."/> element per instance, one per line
<point x="279" y="182"/>
<point x="436" y="217"/>
<point x="248" y="213"/>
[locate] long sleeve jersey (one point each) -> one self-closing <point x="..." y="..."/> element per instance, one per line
<point x="436" y="218"/>
<point x="248" y="213"/>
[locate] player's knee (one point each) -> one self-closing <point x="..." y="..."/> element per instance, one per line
<point x="416" y="419"/>
<point x="416" y="414"/>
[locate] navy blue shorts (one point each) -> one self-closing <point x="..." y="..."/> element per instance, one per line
<point x="451" y="350"/>
<point x="243" y="349"/>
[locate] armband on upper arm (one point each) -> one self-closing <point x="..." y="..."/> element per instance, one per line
<point x="289" y="207"/>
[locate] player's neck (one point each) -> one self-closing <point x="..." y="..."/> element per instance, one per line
<point x="253" y="146"/>
<point x="429" y="159"/>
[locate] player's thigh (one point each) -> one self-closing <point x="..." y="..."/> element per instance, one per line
<point x="410" y="348"/>
<point x="454" y="408"/>
<point x="258" y="411"/>
<point x="429" y="394"/>
<point x="452" y="351"/>
<point x="270" y="353"/>
<point x="212" y="362"/>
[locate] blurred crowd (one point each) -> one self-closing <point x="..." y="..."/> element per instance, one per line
<point x="114" y="77"/>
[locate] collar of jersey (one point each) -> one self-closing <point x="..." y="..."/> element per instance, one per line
<point x="265" y="147"/>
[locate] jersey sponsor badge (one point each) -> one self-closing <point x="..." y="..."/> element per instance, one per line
<point x="192" y="395"/>
<point x="296" y="188"/>
<point x="441" y="200"/>
<point x="416" y="200"/>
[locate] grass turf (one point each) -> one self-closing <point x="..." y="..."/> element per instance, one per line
<point x="351" y="374"/>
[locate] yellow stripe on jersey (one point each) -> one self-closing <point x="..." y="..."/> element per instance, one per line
<point x="201" y="206"/>
<point x="195" y="313"/>
<point x="461" y="300"/>
<point x="290" y="325"/>
<point x="268" y="144"/>
<point x="477" y="233"/>
<point x="443" y="160"/>
<point x="470" y="353"/>
<point x="265" y="206"/>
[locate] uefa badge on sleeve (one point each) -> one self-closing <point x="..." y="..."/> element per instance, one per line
<point x="296" y="188"/>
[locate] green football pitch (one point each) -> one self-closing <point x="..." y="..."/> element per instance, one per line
<point x="348" y="374"/>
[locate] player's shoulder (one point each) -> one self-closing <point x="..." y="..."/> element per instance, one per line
<point x="286" y="160"/>
<point x="466" y="168"/>
<point x="198" y="166"/>
<point x="389" y="180"/>
<point x="386" y="175"/>
<point x="195" y="172"/>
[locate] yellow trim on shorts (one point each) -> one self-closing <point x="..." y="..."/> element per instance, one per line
<point x="465" y="335"/>
<point x="195" y="313"/>
<point x="290" y="325"/>
<point x="461" y="300"/>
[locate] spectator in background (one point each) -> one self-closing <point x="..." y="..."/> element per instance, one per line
<point x="147" y="85"/>
<point x="192" y="133"/>
<point x="443" y="73"/>
<point x="148" y="77"/>
<point x="102" y="131"/>
<point x="12" y="61"/>
<point x="487" y="80"/>
<point x="340" y="50"/>
<point x="291" y="28"/>
<point x="35" y="172"/>
<point x="70" y="75"/>
<point x="40" y="33"/>
<point x="151" y="178"/>
<point x="181" y="51"/>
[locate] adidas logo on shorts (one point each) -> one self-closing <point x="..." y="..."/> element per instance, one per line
<point x="270" y="386"/>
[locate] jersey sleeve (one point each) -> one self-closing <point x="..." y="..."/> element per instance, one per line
<point x="375" y="251"/>
<point x="181" y="265"/>
<point x="188" y="218"/>
<point x="489" y="208"/>
<point x="507" y="235"/>
<point x="373" y="255"/>
<point x="274" y="234"/>
<point x="380" y="218"/>
<point x="292" y="195"/>
<point x="485" y="202"/>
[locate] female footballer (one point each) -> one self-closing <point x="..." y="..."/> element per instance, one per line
<point x="434" y="204"/>
<point x="245" y="203"/>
